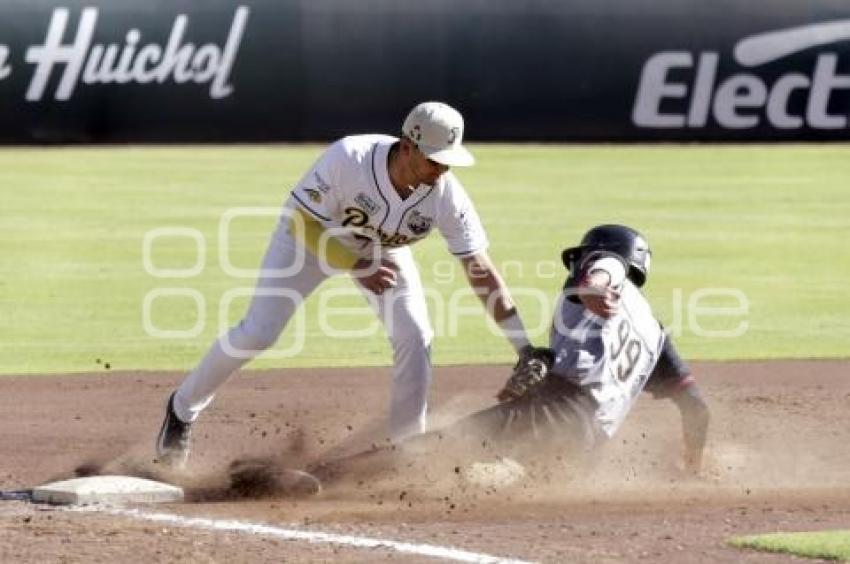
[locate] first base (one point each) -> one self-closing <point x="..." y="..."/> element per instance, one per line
<point x="114" y="490"/>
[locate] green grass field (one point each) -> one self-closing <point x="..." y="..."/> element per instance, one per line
<point x="769" y="223"/>
<point x="828" y="545"/>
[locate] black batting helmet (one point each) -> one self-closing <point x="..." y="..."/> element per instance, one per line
<point x="620" y="240"/>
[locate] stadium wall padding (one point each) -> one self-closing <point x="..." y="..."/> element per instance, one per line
<point x="519" y="70"/>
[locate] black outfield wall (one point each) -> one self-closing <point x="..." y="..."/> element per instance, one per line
<point x="292" y="70"/>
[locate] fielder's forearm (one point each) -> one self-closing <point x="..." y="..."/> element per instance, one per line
<point x="308" y="232"/>
<point x="488" y="286"/>
<point x="494" y="294"/>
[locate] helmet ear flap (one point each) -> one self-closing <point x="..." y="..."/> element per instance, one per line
<point x="570" y="257"/>
<point x="641" y="258"/>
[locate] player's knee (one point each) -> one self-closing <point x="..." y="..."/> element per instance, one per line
<point x="257" y="336"/>
<point x="413" y="338"/>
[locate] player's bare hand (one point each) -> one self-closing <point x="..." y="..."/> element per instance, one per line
<point x="691" y="467"/>
<point x="604" y="302"/>
<point x="597" y="294"/>
<point x="376" y="276"/>
<point x="692" y="463"/>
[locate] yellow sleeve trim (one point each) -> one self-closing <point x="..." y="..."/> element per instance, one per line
<point x="309" y="232"/>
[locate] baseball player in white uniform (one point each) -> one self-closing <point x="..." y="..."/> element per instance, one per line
<point x="358" y="209"/>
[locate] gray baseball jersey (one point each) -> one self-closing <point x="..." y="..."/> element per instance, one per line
<point x="611" y="359"/>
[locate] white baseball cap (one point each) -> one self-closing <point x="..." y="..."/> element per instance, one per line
<point x="437" y="129"/>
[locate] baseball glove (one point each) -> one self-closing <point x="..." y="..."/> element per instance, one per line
<point x="529" y="372"/>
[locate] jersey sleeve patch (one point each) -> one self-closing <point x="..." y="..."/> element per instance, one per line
<point x="307" y="207"/>
<point x="316" y="191"/>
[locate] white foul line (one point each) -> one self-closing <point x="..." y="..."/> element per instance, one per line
<point x="309" y="536"/>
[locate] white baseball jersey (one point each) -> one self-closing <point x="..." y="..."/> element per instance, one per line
<point x="349" y="189"/>
<point x="611" y="359"/>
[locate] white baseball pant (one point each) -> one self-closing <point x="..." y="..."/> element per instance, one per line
<point x="278" y="294"/>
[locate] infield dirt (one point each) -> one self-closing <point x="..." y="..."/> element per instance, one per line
<point x="777" y="460"/>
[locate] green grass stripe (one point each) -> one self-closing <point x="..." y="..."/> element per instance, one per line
<point x="831" y="545"/>
<point x="768" y="223"/>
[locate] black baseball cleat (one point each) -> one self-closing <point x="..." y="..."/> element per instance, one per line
<point x="172" y="445"/>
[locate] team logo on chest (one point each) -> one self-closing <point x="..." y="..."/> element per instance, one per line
<point x="371" y="206"/>
<point x="419" y="224"/>
<point x="314" y="195"/>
